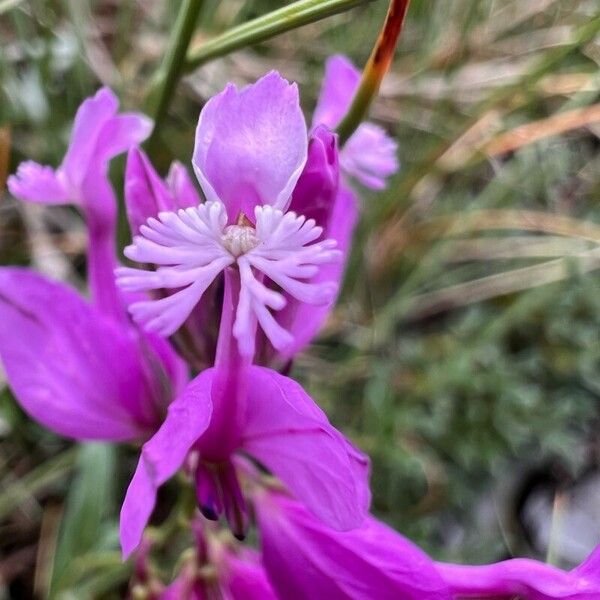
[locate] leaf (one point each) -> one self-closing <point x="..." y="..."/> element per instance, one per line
<point x="89" y="502"/>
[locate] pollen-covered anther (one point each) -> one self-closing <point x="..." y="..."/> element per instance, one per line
<point x="239" y="239"/>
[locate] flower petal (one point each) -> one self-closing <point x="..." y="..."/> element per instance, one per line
<point x="120" y="133"/>
<point x="145" y="193"/>
<point x="251" y="145"/>
<point x="188" y="417"/>
<point x="302" y="554"/>
<point x="292" y="437"/>
<point x="370" y="155"/>
<point x="38" y="183"/>
<point x="524" y="577"/>
<point x="181" y="187"/>
<point x="90" y="119"/>
<point x="71" y="368"/>
<point x="334" y="208"/>
<point x="340" y="82"/>
<point x="244" y="578"/>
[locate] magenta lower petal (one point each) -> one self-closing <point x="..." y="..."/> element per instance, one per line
<point x="187" y="419"/>
<point x="71" y="368"/>
<point x="292" y="437"/>
<point x="305" y="559"/>
<point x="525" y="578"/>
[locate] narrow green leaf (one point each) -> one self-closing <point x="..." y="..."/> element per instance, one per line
<point x="88" y="503"/>
<point x="267" y="26"/>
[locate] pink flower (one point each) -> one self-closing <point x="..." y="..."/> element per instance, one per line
<point x="369" y="155"/>
<point x="237" y="408"/>
<point x="99" y="134"/>
<point x="251" y="149"/>
<point x="84" y="370"/>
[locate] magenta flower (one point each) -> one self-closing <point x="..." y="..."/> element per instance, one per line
<point x="78" y="371"/>
<point x="84" y="370"/>
<point x="237" y="408"/>
<point x="99" y="134"/>
<point x="243" y="223"/>
<point x="524" y="578"/>
<point x="369" y="155"/>
<point x="305" y="559"/>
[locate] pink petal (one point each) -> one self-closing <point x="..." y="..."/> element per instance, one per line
<point x="340" y="82"/>
<point x="292" y="437"/>
<point x="90" y="119"/>
<point x="188" y="417"/>
<point x="121" y="133"/>
<point x="37" y="183"/>
<point x="370" y="155"/>
<point x="181" y="187"/>
<point x="146" y="194"/>
<point x="524" y="577"/>
<point x="306" y="560"/>
<point x="71" y="368"/>
<point x="244" y="578"/>
<point x="251" y="145"/>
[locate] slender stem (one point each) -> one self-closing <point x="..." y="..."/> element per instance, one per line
<point x="174" y="60"/>
<point x="377" y="66"/>
<point x="267" y="26"/>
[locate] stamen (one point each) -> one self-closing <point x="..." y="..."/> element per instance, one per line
<point x="239" y="239"/>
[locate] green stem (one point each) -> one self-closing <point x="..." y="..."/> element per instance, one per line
<point x="267" y="26"/>
<point x="174" y="60"/>
<point x="377" y="66"/>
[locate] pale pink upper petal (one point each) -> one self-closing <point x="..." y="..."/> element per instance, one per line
<point x="340" y="82"/>
<point x="187" y="419"/>
<point x="292" y="437"/>
<point x="251" y="145"/>
<point x="71" y="368"/>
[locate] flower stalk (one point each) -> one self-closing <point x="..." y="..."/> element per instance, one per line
<point x="377" y="66"/>
<point x="174" y="60"/>
<point x="267" y="26"/>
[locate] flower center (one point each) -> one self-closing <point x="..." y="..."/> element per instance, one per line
<point x="239" y="239"/>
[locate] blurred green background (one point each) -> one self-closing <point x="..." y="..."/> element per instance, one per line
<point x="464" y="353"/>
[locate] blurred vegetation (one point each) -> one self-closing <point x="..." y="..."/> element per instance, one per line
<point x="464" y="353"/>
